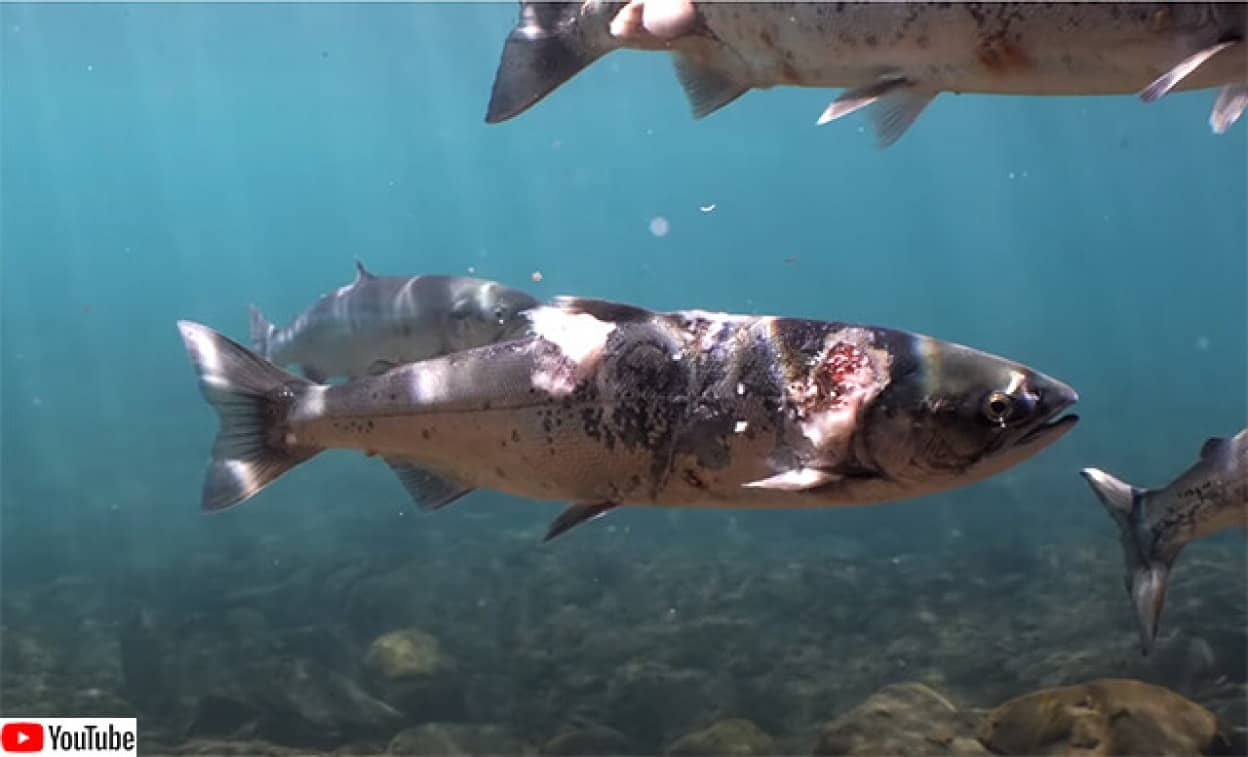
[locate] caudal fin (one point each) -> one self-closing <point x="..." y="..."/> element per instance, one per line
<point x="253" y="398"/>
<point x="261" y="332"/>
<point x="1147" y="572"/>
<point x="551" y="43"/>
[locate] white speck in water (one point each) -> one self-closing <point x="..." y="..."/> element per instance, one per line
<point x="1011" y="174"/>
<point x="676" y="356"/>
<point x="671" y="611"/>
<point x="741" y="426"/>
<point x="862" y="129"/>
<point x="1024" y="174"/>
<point x="536" y="276"/>
<point x="472" y="269"/>
<point x="740" y="389"/>
<point x="1202" y="343"/>
<point x="706" y="208"/>
<point x="37" y="401"/>
<point x="402" y="513"/>
<point x="649" y="132"/>
<point x="90" y="67"/>
<point x="659" y="226"/>
<point x="17" y="28"/>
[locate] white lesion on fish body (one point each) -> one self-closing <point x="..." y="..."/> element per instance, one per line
<point x="829" y="395"/>
<point x="578" y="340"/>
<point x="653" y="21"/>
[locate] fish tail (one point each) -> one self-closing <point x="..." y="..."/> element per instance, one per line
<point x="254" y="399"/>
<point x="551" y="43"/>
<point x="261" y="332"/>
<point x="1147" y="572"/>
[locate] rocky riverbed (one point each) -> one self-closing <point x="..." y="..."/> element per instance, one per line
<point x="491" y="644"/>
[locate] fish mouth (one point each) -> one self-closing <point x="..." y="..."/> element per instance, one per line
<point x="1054" y="424"/>
<point x="1051" y="429"/>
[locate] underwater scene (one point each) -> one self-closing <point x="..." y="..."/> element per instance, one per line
<point x="635" y="378"/>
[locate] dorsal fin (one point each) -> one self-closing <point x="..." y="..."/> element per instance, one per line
<point x="1213" y="447"/>
<point x="361" y="273"/>
<point x="603" y="310"/>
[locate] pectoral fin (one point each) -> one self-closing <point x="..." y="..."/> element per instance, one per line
<point x="575" y="515"/>
<point x="796" y="480"/>
<point x="1171" y="78"/>
<point x="1230" y="105"/>
<point x="898" y="102"/>
<point x="429" y="490"/>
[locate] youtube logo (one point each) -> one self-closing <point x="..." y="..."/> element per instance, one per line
<point x="21" y="737"/>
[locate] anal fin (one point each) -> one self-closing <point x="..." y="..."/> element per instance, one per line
<point x="898" y="102"/>
<point x="1170" y="79"/>
<point x="796" y="480"/>
<point x="430" y="491"/>
<point x="707" y="89"/>
<point x="575" y="515"/>
<point x="1230" y="105"/>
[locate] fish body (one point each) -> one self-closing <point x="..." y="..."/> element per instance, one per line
<point x="607" y="404"/>
<point x="1156" y="524"/>
<point x="894" y="57"/>
<point x="377" y="322"/>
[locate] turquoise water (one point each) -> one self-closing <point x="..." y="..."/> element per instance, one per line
<point x="164" y="162"/>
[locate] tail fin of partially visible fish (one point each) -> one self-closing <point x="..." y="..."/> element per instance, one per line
<point x="253" y="398"/>
<point x="261" y="332"/>
<point x="1147" y="572"/>
<point x="551" y="43"/>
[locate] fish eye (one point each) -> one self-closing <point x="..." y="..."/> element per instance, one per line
<point x="997" y="407"/>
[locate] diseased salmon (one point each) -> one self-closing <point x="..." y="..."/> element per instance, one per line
<point x="606" y="404"/>
<point x="892" y="58"/>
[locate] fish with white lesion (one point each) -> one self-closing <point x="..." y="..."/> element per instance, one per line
<point x="892" y="59"/>
<point x="591" y="407"/>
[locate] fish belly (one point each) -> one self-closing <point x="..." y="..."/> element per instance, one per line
<point x="1008" y="48"/>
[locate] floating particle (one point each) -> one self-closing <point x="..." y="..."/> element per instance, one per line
<point x="659" y="226"/>
<point x="1011" y="174"/>
<point x="1202" y="343"/>
<point x="472" y="269"/>
<point x="90" y="67"/>
<point x="536" y="276"/>
<point x="741" y="426"/>
<point x="706" y="208"/>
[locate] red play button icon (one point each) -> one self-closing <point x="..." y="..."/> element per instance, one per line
<point x="21" y="737"/>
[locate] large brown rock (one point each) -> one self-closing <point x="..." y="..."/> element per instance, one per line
<point x="906" y="718"/>
<point x="409" y="669"/>
<point x="1106" y="716"/>
<point x="726" y="737"/>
